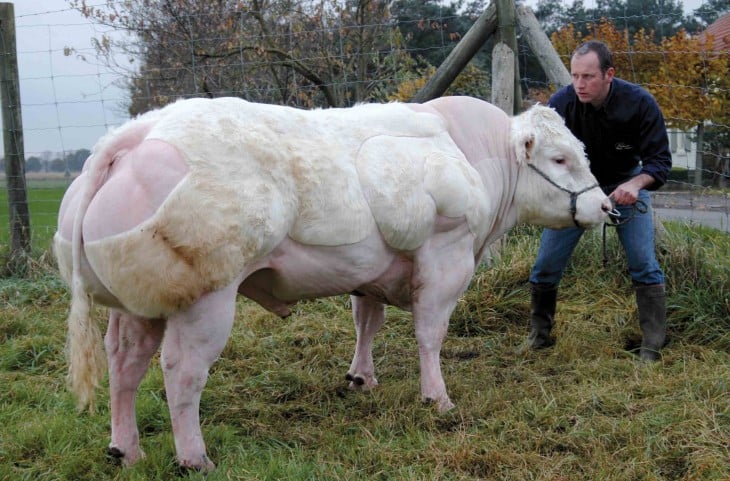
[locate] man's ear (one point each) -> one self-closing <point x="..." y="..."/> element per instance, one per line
<point x="610" y="73"/>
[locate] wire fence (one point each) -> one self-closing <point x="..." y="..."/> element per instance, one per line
<point x="70" y="96"/>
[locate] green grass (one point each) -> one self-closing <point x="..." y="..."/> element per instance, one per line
<point x="44" y="199"/>
<point x="277" y="407"/>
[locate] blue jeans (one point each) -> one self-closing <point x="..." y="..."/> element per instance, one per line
<point x="636" y="236"/>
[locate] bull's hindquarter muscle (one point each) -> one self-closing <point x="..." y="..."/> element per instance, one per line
<point x="182" y="209"/>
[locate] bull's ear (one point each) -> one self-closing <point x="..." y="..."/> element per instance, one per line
<point x="523" y="147"/>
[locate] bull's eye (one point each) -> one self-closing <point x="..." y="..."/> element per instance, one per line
<point x="560" y="160"/>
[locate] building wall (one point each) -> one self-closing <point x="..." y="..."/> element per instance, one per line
<point x="684" y="151"/>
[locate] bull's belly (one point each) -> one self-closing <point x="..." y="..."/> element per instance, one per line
<point x="139" y="273"/>
<point x="296" y="272"/>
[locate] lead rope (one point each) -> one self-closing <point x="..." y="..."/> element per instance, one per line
<point x="573" y="194"/>
<point x="616" y="220"/>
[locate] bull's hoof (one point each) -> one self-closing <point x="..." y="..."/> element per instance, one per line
<point x="118" y="457"/>
<point x="442" y="405"/>
<point x="203" y="465"/>
<point x="114" y="455"/>
<point x="361" y="383"/>
<point x="357" y="380"/>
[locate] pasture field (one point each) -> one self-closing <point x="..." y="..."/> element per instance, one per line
<point x="277" y="407"/>
<point x="44" y="199"/>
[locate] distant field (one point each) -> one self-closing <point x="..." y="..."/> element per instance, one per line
<point x="44" y="198"/>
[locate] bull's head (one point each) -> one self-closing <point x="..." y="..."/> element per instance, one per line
<point x="555" y="187"/>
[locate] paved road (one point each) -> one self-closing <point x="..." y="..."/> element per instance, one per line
<point x="711" y="210"/>
<point x="715" y="219"/>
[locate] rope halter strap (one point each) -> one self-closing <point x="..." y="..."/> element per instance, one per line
<point x="573" y="194"/>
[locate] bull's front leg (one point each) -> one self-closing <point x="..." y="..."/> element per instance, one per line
<point x="443" y="268"/>
<point x="193" y="341"/>
<point x="368" y="315"/>
<point x="130" y="343"/>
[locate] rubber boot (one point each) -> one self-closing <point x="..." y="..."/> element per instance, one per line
<point x="542" y="311"/>
<point x="651" y="303"/>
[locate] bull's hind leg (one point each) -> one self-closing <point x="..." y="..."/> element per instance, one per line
<point x="443" y="268"/>
<point x="130" y="343"/>
<point x="193" y="341"/>
<point x="368" y="315"/>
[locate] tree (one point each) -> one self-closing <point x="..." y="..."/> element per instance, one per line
<point x="57" y="165"/>
<point x="663" y="17"/>
<point x="295" y="52"/>
<point x="553" y="14"/>
<point x="33" y="164"/>
<point x="691" y="85"/>
<point x="711" y="10"/>
<point x="430" y="30"/>
<point x="471" y="81"/>
<point x="75" y="160"/>
<point x="424" y="24"/>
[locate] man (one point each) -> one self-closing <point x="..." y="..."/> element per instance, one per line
<point x="626" y="142"/>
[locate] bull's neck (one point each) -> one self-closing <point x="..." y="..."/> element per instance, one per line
<point x="499" y="173"/>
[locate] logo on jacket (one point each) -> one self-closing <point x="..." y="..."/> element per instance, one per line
<point x="622" y="146"/>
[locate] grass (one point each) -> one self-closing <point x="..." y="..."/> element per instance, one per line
<point x="44" y="199"/>
<point x="277" y="407"/>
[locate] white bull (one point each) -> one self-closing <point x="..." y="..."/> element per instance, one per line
<point x="185" y="207"/>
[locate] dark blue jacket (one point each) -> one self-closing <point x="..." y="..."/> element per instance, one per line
<point x="628" y="130"/>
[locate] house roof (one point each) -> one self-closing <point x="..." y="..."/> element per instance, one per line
<point x="720" y="31"/>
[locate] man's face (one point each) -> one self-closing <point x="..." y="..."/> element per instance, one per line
<point x="591" y="85"/>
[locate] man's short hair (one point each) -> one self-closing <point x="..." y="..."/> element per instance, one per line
<point x="605" y="59"/>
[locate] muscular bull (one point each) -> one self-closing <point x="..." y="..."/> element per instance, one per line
<point x="182" y="209"/>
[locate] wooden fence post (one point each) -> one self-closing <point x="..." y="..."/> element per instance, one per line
<point x="541" y="47"/>
<point x="13" y="142"/>
<point x="503" y="74"/>
<point x="507" y="20"/>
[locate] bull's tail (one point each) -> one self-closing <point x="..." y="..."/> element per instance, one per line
<point x="84" y="350"/>
<point x="84" y="343"/>
<point x="84" y="347"/>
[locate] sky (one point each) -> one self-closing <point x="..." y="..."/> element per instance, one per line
<point x="67" y="102"/>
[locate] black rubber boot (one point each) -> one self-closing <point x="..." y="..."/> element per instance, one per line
<point x="542" y="311"/>
<point x="651" y="302"/>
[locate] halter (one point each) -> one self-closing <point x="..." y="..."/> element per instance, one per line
<point x="617" y="220"/>
<point x="573" y="195"/>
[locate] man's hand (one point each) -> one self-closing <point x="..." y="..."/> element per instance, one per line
<point x="628" y="192"/>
